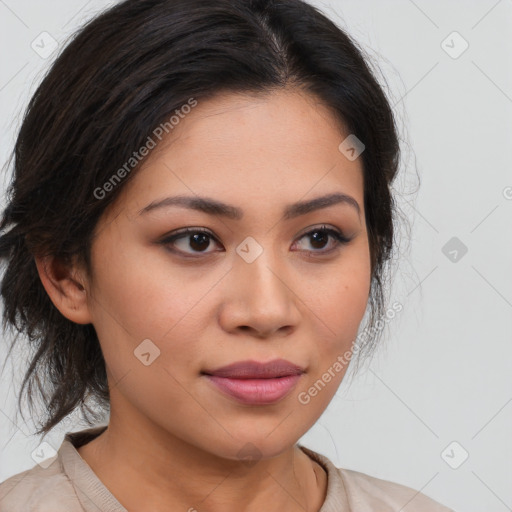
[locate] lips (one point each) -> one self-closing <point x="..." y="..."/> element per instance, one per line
<point x="255" y="383"/>
<point x="256" y="370"/>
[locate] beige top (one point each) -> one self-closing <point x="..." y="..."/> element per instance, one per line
<point x="68" y="484"/>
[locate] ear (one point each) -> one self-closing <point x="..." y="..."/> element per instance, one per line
<point x="66" y="291"/>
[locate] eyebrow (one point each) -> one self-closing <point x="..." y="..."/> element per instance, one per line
<point x="217" y="208"/>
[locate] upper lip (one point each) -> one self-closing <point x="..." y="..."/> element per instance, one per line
<point x="257" y="370"/>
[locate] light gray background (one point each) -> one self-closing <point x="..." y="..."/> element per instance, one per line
<point x="443" y="373"/>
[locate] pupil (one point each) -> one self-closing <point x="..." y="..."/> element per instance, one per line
<point x="323" y="236"/>
<point x="197" y="245"/>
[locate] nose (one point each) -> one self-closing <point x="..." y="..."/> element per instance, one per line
<point x="260" y="298"/>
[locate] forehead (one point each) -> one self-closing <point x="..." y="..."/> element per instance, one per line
<point x="264" y="149"/>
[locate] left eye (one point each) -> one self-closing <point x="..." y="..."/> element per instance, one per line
<point x="199" y="240"/>
<point x="321" y="235"/>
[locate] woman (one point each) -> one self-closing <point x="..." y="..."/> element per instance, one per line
<point x="199" y="217"/>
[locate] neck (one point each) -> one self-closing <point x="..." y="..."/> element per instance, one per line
<point x="178" y="476"/>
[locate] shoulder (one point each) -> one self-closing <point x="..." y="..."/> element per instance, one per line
<point x="39" y="490"/>
<point x="352" y="490"/>
<point x="384" y="495"/>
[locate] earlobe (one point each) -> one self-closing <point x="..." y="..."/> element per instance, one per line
<point x="67" y="292"/>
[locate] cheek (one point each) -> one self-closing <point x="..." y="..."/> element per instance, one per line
<point x="338" y="296"/>
<point x="143" y="294"/>
<point x="146" y="315"/>
<point x="344" y="304"/>
<point x="337" y="309"/>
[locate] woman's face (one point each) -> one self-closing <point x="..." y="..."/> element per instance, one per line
<point x="255" y="287"/>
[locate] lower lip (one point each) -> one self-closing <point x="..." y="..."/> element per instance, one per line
<point x="256" y="391"/>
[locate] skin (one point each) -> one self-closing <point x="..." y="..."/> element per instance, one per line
<point x="173" y="438"/>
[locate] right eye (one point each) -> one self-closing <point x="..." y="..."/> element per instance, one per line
<point x="195" y="238"/>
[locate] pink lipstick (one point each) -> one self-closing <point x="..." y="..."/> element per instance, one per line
<point x="255" y="383"/>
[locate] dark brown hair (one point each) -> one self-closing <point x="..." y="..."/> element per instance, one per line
<point x="124" y="73"/>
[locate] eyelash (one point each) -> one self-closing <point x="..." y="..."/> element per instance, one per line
<point x="338" y="236"/>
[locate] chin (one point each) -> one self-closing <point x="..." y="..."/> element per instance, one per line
<point x="259" y="446"/>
